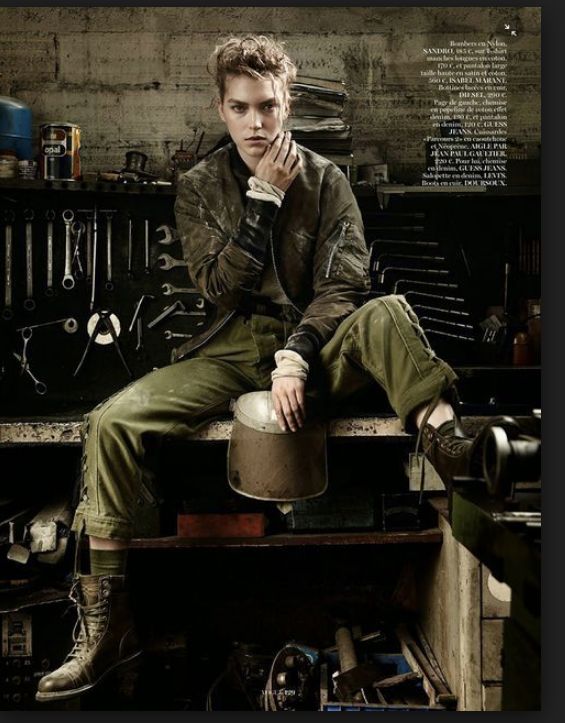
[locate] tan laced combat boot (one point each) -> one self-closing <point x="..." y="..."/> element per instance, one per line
<point x="104" y="637"/>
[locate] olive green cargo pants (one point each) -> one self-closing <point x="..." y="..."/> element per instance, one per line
<point x="382" y="341"/>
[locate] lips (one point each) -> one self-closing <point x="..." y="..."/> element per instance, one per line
<point x="256" y="138"/>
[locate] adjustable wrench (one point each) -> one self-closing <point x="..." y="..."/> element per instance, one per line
<point x="50" y="217"/>
<point x="7" y="313"/>
<point x="168" y="262"/>
<point x="68" y="279"/>
<point x="29" y="303"/>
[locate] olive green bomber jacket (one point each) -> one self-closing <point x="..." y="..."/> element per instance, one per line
<point x="318" y="246"/>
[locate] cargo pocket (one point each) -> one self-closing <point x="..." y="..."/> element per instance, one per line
<point x="147" y="517"/>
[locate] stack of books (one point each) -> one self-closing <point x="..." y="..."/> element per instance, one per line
<point x="316" y="119"/>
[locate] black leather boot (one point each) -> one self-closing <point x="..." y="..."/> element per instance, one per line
<point x="105" y="638"/>
<point x="453" y="453"/>
<point x="450" y="450"/>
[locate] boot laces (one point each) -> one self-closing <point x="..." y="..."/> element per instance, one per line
<point x="90" y="623"/>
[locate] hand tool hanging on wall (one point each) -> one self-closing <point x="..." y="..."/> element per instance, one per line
<point x="9" y="218"/>
<point x="412" y="257"/>
<point x="103" y="328"/>
<point x="49" y="217"/>
<point x="89" y="214"/>
<point x="109" y="285"/>
<point x="167" y="311"/>
<point x="68" y="279"/>
<point x="137" y="320"/>
<point x="130" y="247"/>
<point x="407" y="269"/>
<point x="147" y="257"/>
<point x="455" y="312"/>
<point x="457" y="299"/>
<point x="78" y="228"/>
<point x="416" y="282"/>
<point x="70" y="325"/>
<point x="94" y="255"/>
<point x="170" y="234"/>
<point x="29" y="301"/>
<point x="169" y="289"/>
<point x="168" y="334"/>
<point x="40" y="387"/>
<point x="168" y="262"/>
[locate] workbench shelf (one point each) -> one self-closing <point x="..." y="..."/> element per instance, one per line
<point x="18" y="184"/>
<point x="429" y="536"/>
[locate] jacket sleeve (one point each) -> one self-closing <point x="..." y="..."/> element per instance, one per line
<point x="222" y="268"/>
<point x="341" y="266"/>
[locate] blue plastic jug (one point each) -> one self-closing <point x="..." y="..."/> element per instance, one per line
<point x="15" y="127"/>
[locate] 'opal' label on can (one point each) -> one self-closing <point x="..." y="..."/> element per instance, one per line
<point x="59" y="151"/>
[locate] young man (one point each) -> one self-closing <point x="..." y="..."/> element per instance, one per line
<point x="273" y="237"/>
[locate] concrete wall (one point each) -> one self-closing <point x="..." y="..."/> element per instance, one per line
<point x="135" y="77"/>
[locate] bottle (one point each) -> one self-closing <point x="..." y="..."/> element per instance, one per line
<point x="521" y="352"/>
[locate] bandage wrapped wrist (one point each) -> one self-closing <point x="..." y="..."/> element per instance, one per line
<point x="264" y="191"/>
<point x="290" y="364"/>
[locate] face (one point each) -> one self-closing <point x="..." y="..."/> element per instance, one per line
<point x="254" y="112"/>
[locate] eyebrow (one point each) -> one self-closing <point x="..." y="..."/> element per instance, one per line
<point x="241" y="102"/>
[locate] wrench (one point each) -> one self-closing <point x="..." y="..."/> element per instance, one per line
<point x="169" y="289"/>
<point x="167" y="311"/>
<point x="68" y="279"/>
<point x="109" y="285"/>
<point x="147" y="267"/>
<point x="50" y="217"/>
<point x="70" y="325"/>
<point x="7" y="313"/>
<point x="137" y="310"/>
<point x="26" y="334"/>
<point x="130" y="247"/>
<point x="170" y="234"/>
<point x="176" y="335"/>
<point x="168" y="262"/>
<point x="78" y="229"/>
<point x="40" y="387"/>
<point x="182" y="312"/>
<point x="29" y="303"/>
<point x="89" y="247"/>
<point x="94" y="255"/>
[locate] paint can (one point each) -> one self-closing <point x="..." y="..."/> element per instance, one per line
<point x="59" y="151"/>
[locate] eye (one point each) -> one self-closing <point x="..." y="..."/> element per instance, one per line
<point x="238" y="108"/>
<point x="270" y="106"/>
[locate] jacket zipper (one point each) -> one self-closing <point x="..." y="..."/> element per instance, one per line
<point x="344" y="227"/>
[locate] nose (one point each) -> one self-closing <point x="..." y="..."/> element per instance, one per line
<point x="255" y="120"/>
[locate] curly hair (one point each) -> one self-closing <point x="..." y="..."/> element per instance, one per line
<point x="257" y="56"/>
